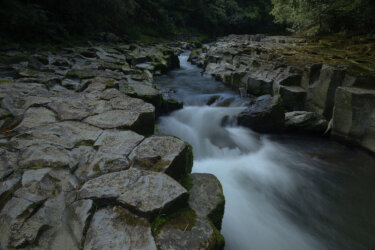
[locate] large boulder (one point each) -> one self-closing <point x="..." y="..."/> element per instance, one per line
<point x="265" y="116"/>
<point x="354" y="116"/>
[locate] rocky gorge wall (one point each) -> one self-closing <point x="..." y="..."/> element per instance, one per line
<point x="322" y="86"/>
<point x="80" y="166"/>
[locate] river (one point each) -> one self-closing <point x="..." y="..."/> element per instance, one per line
<point x="283" y="192"/>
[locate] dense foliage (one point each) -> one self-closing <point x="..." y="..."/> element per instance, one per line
<point x="326" y="15"/>
<point x="57" y="19"/>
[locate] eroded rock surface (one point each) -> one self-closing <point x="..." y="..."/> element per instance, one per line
<point x="76" y="142"/>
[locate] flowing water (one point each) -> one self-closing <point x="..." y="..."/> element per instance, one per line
<point x="282" y="192"/>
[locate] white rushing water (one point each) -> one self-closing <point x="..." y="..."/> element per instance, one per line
<point x="278" y="195"/>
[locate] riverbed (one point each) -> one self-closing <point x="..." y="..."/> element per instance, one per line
<point x="283" y="192"/>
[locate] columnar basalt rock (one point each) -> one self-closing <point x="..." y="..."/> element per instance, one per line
<point x="307" y="76"/>
<point x="80" y="167"/>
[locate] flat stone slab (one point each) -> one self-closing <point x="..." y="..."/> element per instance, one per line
<point x="144" y="192"/>
<point x="165" y="154"/>
<point x="64" y="134"/>
<point x="118" y="142"/>
<point x="114" y="119"/>
<point x="38" y="156"/>
<point x="116" y="228"/>
<point x="36" y="117"/>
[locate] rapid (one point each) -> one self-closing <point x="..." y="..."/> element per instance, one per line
<point x="283" y="192"/>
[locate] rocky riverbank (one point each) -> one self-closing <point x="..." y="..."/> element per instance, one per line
<point x="325" y="86"/>
<point x="80" y="167"/>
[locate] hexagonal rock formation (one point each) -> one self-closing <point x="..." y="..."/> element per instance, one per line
<point x="165" y="154"/>
<point x="64" y="152"/>
<point x="144" y="192"/>
<point x="116" y="228"/>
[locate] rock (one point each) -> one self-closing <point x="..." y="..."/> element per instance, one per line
<point x="188" y="231"/>
<point x="8" y="162"/>
<point x="92" y="164"/>
<point x="36" y="117"/>
<point x="354" y="116"/>
<point x="118" y="142"/>
<point x="144" y="192"/>
<point x="62" y="134"/>
<point x="143" y="90"/>
<point x="265" y="116"/>
<point x="163" y="154"/>
<point x="7" y="188"/>
<point x="294" y="97"/>
<point x="120" y="119"/>
<point x="37" y="156"/>
<point x="207" y="198"/>
<point x="116" y="228"/>
<point x="321" y="93"/>
<point x="38" y="215"/>
<point x="82" y="211"/>
<point x="303" y="121"/>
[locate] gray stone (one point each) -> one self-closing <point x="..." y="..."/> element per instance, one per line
<point x="165" y="154"/>
<point x="303" y="121"/>
<point x="293" y="97"/>
<point x="8" y="162"/>
<point x="36" y="117"/>
<point x="116" y="228"/>
<point x="265" y="116"/>
<point x="63" y="134"/>
<point x="144" y="192"/>
<point x="118" y="142"/>
<point x="45" y="156"/>
<point x="122" y="119"/>
<point x="321" y="93"/>
<point x="207" y="198"/>
<point x="189" y="233"/>
<point x="354" y="116"/>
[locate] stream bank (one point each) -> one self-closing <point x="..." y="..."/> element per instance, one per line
<point x="330" y="82"/>
<point x="80" y="166"/>
<point x="283" y="191"/>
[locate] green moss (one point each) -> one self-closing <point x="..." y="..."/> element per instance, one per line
<point x="96" y="168"/>
<point x="7" y="145"/>
<point x="5" y="81"/>
<point x="216" y="215"/>
<point x="88" y="143"/>
<point x="187" y="182"/>
<point x="110" y="83"/>
<point x="131" y="220"/>
<point x="160" y="165"/>
<point x="219" y="239"/>
<point x="183" y="219"/>
<point x="40" y="166"/>
<point x="79" y="73"/>
<point x="110" y="161"/>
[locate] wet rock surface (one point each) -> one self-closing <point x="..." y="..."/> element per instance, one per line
<point x="308" y="76"/>
<point x="79" y="166"/>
